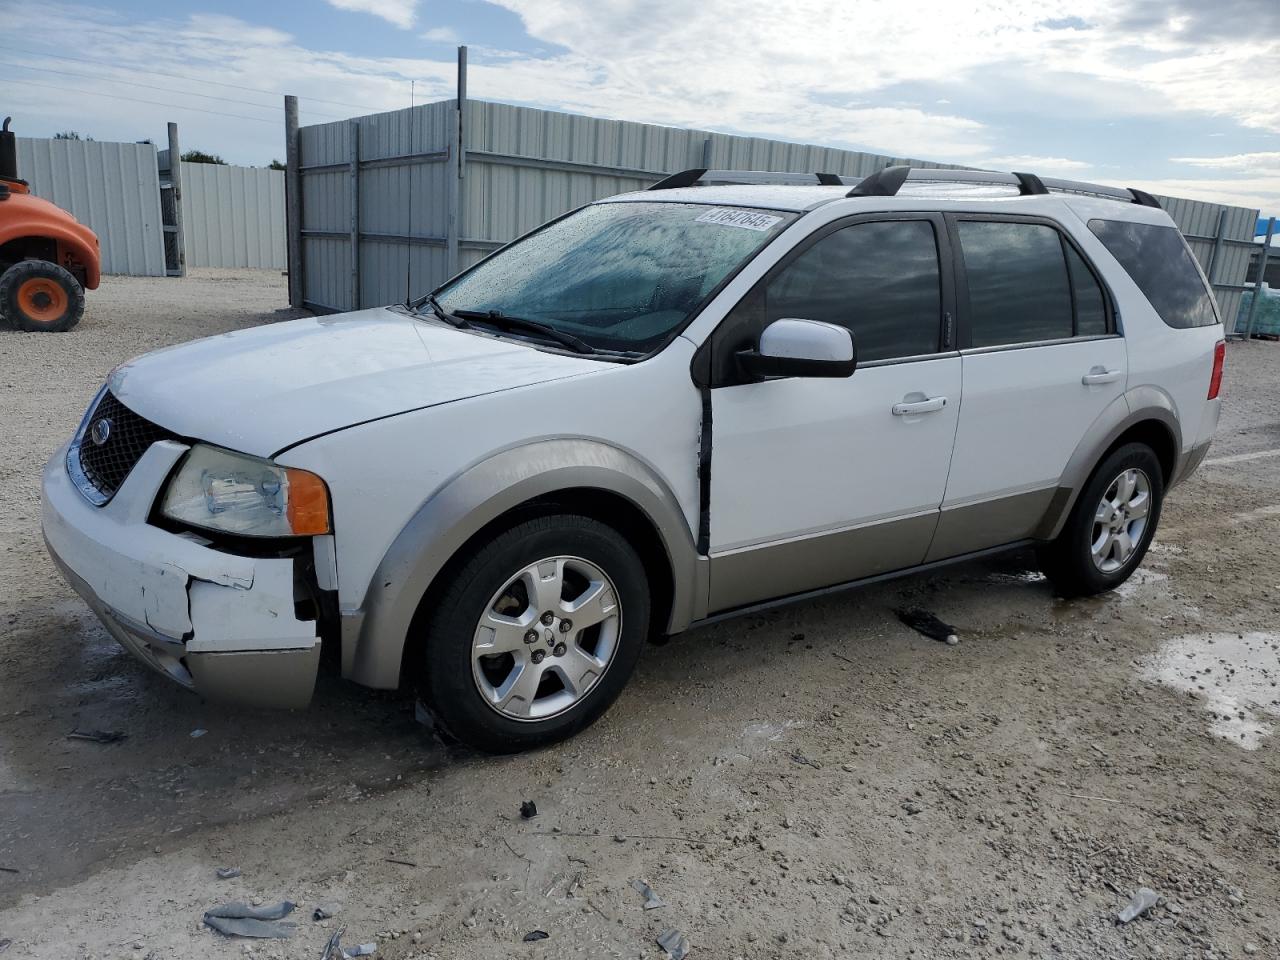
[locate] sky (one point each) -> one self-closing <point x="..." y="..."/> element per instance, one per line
<point x="1178" y="97"/>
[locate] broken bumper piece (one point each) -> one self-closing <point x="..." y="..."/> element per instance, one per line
<point x="217" y="623"/>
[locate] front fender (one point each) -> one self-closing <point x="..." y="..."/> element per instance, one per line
<point x="374" y="638"/>
<point x="74" y="240"/>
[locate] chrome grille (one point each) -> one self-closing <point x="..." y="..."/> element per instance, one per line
<point x="109" y="444"/>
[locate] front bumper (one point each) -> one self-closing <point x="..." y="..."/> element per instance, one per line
<point x="217" y="623"/>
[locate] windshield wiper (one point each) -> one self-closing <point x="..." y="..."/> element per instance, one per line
<point x="508" y="322"/>
<point x="450" y="318"/>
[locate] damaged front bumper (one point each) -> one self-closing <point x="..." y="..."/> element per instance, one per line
<point x="218" y="623"/>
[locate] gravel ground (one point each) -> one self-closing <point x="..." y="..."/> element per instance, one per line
<point x="816" y="782"/>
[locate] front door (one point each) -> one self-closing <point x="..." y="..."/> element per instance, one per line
<point x="816" y="481"/>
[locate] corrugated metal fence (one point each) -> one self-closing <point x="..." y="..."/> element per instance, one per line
<point x="112" y="187"/>
<point x="521" y="166"/>
<point x="392" y="204"/>
<point x="232" y="216"/>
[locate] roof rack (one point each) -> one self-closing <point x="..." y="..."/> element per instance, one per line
<point x="887" y="182"/>
<point x="702" y="177"/>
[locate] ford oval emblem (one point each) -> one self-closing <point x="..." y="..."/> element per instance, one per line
<point x="101" y="431"/>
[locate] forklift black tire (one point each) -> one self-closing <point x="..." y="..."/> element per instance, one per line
<point x="39" y="296"/>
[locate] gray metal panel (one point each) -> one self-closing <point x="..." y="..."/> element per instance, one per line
<point x="396" y="200"/>
<point x="113" y="188"/>
<point x="233" y="216"/>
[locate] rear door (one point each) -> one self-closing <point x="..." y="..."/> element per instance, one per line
<point x="817" y="481"/>
<point x="1041" y="359"/>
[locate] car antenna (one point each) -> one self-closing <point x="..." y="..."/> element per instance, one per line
<point x="408" y="247"/>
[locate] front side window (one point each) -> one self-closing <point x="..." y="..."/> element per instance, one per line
<point x="1158" y="261"/>
<point x="620" y="276"/>
<point x="880" y="279"/>
<point x="1019" y="291"/>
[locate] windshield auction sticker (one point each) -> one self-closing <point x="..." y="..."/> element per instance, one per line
<point x="746" y="219"/>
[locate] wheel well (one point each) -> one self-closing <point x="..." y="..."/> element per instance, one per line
<point x="603" y="506"/>
<point x="28" y="248"/>
<point x="1155" y="435"/>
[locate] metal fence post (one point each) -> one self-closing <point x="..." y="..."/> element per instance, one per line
<point x="1217" y="247"/>
<point x="353" y="129"/>
<point x="1261" y="277"/>
<point x="175" y="180"/>
<point x="457" y="148"/>
<point x="293" y="202"/>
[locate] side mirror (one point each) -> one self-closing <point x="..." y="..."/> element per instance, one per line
<point x="792" y="347"/>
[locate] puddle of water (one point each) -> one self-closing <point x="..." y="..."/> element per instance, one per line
<point x="1016" y="576"/>
<point x="1139" y="581"/>
<point x="1236" y="675"/>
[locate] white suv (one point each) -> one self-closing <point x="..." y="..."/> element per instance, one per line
<point x="661" y="409"/>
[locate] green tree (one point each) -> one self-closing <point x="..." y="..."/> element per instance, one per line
<point x="199" y="156"/>
<point x="275" y="165"/>
<point x="69" y="135"/>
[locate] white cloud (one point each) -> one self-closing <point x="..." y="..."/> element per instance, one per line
<point x="801" y="70"/>
<point x="1034" y="164"/>
<point x="441" y="35"/>
<point x="400" y="13"/>
<point x="1265" y="162"/>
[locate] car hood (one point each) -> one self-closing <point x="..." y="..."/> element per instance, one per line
<point x="266" y="388"/>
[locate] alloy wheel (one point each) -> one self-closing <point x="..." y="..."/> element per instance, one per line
<point x="1120" y="520"/>
<point x="546" y="638"/>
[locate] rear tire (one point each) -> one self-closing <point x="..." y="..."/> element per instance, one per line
<point x="535" y="634"/>
<point x="1110" y="527"/>
<point x="39" y="296"/>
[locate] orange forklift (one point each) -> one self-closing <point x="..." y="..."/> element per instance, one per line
<point x="47" y="257"/>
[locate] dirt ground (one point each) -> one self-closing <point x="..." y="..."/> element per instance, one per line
<point x="816" y="782"/>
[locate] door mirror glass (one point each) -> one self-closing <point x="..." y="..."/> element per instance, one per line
<point x="792" y="347"/>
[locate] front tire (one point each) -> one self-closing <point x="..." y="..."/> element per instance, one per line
<point x="1110" y="527"/>
<point x="535" y="634"/>
<point x="39" y="296"/>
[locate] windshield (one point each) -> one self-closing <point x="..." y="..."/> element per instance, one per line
<point x="617" y="276"/>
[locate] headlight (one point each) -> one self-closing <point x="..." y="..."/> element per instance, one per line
<point x="233" y="493"/>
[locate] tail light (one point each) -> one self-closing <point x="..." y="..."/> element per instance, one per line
<point x="1219" y="357"/>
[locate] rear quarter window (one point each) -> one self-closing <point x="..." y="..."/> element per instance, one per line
<point x="1158" y="261"/>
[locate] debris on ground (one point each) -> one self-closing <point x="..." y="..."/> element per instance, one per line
<point x="324" y="911"/>
<point x="651" y="900"/>
<point x="924" y="622"/>
<point x="5" y="944"/>
<point x="198" y="732"/>
<point x="242" y="920"/>
<point x="403" y="863"/>
<point x="1143" y="900"/>
<point x="534" y="935"/>
<point x="528" y="810"/>
<point x="675" y="943"/>
<point x="9" y="870"/>
<point x="363" y="950"/>
<point x="800" y="758"/>
<point x="333" y="948"/>
<point x="98" y="736"/>
<point x="228" y="873"/>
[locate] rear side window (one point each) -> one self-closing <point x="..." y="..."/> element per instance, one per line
<point x="1091" y="307"/>
<point x="1158" y="261"/>
<point x="1019" y="291"/>
<point x="879" y="279"/>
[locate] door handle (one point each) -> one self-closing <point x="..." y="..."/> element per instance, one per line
<point x="908" y="408"/>
<point x="1099" y="375"/>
